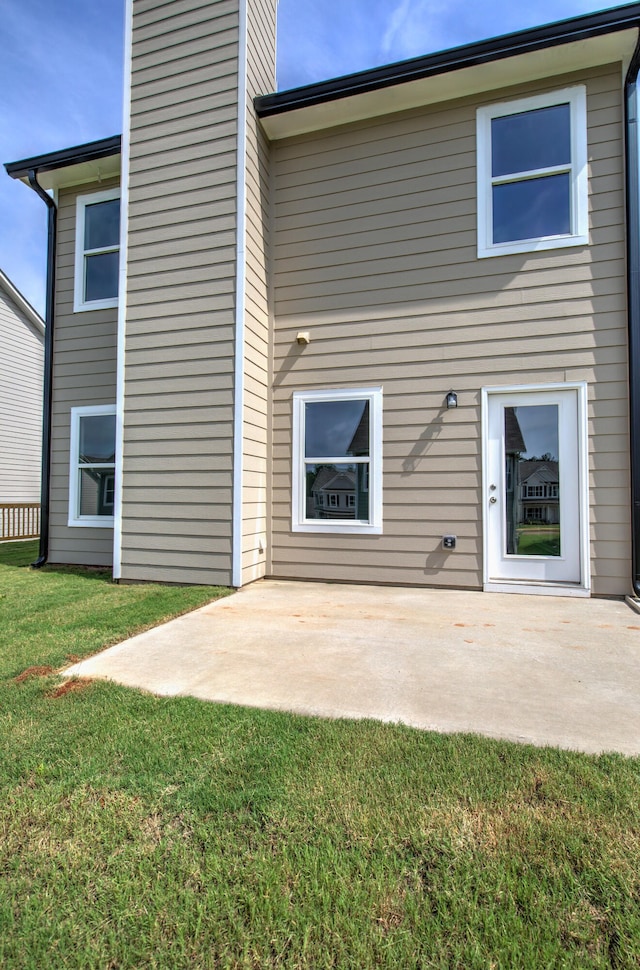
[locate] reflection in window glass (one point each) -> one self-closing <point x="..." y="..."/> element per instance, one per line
<point x="101" y="276"/>
<point x="96" y="491"/>
<point x="102" y="225"/>
<point x="532" y="209"/>
<point x="531" y="140"/>
<point x="336" y="491"/>
<point x="333" y="430"/>
<point x="532" y="480"/>
<point x="97" y="439"/>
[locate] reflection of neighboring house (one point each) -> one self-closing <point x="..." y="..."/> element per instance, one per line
<point x="98" y="489"/>
<point x="539" y="491"/>
<point x="333" y="495"/>
<point x="358" y="447"/>
<point x="514" y="446"/>
<point x="342" y="493"/>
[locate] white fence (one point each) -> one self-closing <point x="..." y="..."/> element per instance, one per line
<point x="19" y="520"/>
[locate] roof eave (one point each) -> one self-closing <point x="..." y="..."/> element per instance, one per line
<point x="599" y="38"/>
<point x="453" y="59"/>
<point x="96" y="159"/>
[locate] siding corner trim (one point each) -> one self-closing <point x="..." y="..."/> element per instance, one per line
<point x="241" y="232"/>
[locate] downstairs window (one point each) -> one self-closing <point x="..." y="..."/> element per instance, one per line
<point x="92" y="469"/>
<point x="337" y="461"/>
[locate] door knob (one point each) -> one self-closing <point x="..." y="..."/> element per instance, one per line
<point x="493" y="500"/>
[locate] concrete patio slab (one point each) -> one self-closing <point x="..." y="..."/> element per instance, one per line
<point x="538" y="669"/>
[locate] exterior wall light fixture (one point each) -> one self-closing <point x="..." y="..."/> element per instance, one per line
<point x="452" y="399"/>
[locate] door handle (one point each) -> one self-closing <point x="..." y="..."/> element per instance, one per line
<point x="493" y="500"/>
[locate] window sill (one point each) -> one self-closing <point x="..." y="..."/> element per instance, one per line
<point x="95" y="522"/>
<point x="95" y="305"/>
<point x="328" y="526"/>
<point x="532" y="246"/>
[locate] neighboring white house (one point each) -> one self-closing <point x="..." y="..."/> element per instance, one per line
<point x="21" y="369"/>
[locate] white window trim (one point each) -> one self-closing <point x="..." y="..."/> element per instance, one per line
<point x="579" y="235"/>
<point x="81" y="305"/>
<point x="347" y="526"/>
<point x="75" y="519"/>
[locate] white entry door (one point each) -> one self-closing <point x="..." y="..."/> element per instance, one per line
<point x="534" y="489"/>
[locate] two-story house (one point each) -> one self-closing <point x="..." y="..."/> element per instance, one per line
<point x="372" y="280"/>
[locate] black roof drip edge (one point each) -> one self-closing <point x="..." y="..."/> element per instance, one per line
<point x="456" y="58"/>
<point x="90" y="152"/>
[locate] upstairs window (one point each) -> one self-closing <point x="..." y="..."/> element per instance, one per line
<point x="337" y="461"/>
<point x="532" y="173"/>
<point x="97" y="250"/>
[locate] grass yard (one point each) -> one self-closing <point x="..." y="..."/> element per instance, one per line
<point x="144" y="832"/>
<point x="538" y="541"/>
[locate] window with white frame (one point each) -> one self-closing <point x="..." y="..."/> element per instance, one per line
<point x="532" y="173"/>
<point x="92" y="466"/>
<point x="337" y="461"/>
<point x="97" y="250"/>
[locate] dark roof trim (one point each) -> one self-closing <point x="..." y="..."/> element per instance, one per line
<point x="92" y="151"/>
<point x="456" y="58"/>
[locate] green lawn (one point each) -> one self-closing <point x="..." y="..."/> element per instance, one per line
<point x="140" y="832"/>
<point x="538" y="541"/>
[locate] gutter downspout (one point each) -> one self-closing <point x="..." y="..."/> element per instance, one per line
<point x="48" y="369"/>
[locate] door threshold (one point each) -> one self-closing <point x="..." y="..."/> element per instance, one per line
<point x="536" y="589"/>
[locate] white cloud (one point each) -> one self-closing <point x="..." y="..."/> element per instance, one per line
<point x="414" y="28"/>
<point x="396" y="23"/>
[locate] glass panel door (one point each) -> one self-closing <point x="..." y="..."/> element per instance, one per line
<point x="532" y="495"/>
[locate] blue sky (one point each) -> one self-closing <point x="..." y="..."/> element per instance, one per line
<point x="61" y="76"/>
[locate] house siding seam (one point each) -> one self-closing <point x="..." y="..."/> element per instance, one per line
<point x="374" y="252"/>
<point x="179" y="364"/>
<point x="84" y="373"/>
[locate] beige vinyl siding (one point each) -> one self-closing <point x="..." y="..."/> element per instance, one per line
<point x="375" y="254"/>
<point x="84" y="373"/>
<point x="21" y="363"/>
<point x="261" y="27"/>
<point x="179" y="343"/>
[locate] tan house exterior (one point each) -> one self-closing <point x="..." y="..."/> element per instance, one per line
<point x="21" y="364"/>
<point x="303" y="278"/>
